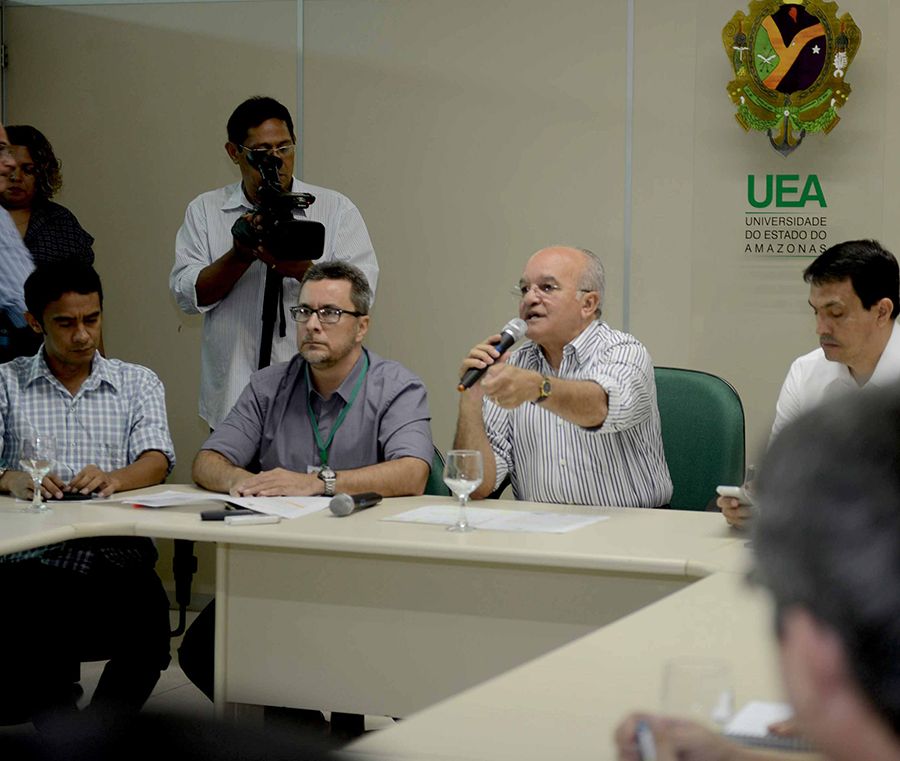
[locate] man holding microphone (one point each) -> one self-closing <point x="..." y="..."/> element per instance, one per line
<point x="571" y="415"/>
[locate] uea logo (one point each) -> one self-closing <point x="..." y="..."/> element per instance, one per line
<point x="785" y="191"/>
<point x="790" y="60"/>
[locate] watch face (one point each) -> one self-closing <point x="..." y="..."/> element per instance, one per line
<point x="545" y="387"/>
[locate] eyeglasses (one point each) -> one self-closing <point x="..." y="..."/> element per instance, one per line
<point x="281" y="151"/>
<point x="326" y="315"/>
<point x="541" y="290"/>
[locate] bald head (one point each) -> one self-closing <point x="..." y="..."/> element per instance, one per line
<point x="589" y="269"/>
<point x="562" y="288"/>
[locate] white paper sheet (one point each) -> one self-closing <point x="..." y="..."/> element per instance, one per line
<point x="751" y="727"/>
<point x="492" y="519"/>
<point x="753" y="719"/>
<point x="168" y="498"/>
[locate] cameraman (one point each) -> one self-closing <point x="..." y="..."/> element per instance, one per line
<point x="224" y="279"/>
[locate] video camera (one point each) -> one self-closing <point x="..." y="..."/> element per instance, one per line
<point x="276" y="229"/>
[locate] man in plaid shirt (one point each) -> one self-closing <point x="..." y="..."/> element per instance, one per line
<point x="88" y="598"/>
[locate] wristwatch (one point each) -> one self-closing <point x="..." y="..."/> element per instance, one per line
<point x="544" y="390"/>
<point x="327" y="476"/>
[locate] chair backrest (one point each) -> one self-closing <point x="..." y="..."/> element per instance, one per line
<point x="435" y="485"/>
<point x="703" y="434"/>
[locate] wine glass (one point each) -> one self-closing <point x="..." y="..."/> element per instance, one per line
<point x="463" y="472"/>
<point x="699" y="689"/>
<point x="38" y="454"/>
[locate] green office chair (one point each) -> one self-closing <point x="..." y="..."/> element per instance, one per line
<point x="435" y="485"/>
<point x="703" y="434"/>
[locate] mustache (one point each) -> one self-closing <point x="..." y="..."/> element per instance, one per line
<point x="827" y="338"/>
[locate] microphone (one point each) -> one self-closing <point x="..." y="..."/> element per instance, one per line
<point x="512" y="332"/>
<point x="344" y="504"/>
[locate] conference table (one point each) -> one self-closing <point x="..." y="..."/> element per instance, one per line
<point x="496" y="644"/>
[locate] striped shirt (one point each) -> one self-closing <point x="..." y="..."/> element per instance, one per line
<point x="15" y="267"/>
<point x="118" y="414"/>
<point x="550" y="459"/>
<point x="231" y="327"/>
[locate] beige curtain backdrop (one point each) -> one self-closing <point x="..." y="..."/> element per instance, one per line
<point x="469" y="133"/>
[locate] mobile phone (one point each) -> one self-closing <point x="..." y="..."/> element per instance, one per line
<point x="221" y="515"/>
<point x="67" y="495"/>
<point x="736" y="492"/>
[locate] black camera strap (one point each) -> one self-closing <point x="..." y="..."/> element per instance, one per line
<point x="272" y="305"/>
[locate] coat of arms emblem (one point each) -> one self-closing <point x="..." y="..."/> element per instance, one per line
<point x="790" y="61"/>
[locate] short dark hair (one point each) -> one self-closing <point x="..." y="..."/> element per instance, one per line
<point x="47" y="168"/>
<point x="872" y="270"/>
<point x="253" y="112"/>
<point x="827" y="537"/>
<point x="360" y="291"/>
<point x="49" y="282"/>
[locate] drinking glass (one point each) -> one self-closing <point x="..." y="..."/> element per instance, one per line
<point x="699" y="689"/>
<point x="38" y="455"/>
<point x="463" y="472"/>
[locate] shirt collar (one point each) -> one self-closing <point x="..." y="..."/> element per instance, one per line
<point x="888" y="367"/>
<point x="235" y="198"/>
<point x="346" y="388"/>
<point x="582" y="346"/>
<point x="101" y="372"/>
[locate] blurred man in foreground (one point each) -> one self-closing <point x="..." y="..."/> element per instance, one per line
<point x="827" y="542"/>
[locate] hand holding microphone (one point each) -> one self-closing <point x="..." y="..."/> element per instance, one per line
<point x="512" y="332"/>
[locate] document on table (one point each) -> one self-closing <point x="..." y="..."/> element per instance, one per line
<point x="285" y="507"/>
<point x="495" y="519"/>
<point x="751" y="726"/>
<point x="170" y="498"/>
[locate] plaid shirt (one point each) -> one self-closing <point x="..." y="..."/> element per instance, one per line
<point x="118" y="414"/>
<point x="54" y="235"/>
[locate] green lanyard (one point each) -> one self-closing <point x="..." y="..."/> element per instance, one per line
<point x="325" y="446"/>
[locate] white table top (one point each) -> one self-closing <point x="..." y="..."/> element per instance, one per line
<point x="563" y="704"/>
<point x="566" y="704"/>
<point x="667" y="542"/>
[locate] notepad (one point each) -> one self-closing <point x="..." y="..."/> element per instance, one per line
<point x="750" y="726"/>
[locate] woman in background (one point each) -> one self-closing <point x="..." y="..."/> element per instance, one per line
<point x="50" y="231"/>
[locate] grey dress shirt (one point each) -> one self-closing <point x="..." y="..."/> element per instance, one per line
<point x="270" y="423"/>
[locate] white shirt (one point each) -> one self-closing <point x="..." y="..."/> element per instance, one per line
<point x="15" y="267"/>
<point x="813" y="378"/>
<point x="231" y="327"/>
<point x="552" y="460"/>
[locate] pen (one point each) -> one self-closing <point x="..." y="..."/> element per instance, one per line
<point x="645" y="742"/>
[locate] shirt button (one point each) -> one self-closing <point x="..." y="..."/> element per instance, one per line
<point x="559" y="421"/>
<point x="562" y="463"/>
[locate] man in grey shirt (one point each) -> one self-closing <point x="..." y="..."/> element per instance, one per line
<point x="335" y="418"/>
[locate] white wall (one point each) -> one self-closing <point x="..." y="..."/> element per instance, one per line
<point x="469" y="133"/>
